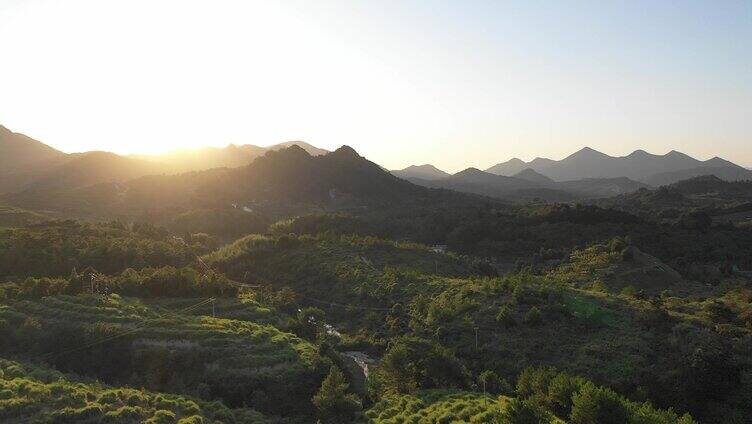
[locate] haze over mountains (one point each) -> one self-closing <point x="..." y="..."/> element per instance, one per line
<point x="28" y="164"/>
<point x="35" y="175"/>
<point x="586" y="173"/>
<point x="639" y="166"/>
<point x="426" y="172"/>
<point x="230" y="156"/>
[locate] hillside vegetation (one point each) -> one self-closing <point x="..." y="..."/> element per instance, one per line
<point x="322" y="289"/>
<point x="31" y="393"/>
<point x="607" y="313"/>
<point x="123" y="341"/>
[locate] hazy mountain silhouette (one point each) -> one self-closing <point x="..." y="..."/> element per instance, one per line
<point x="230" y="156"/>
<point x="476" y="176"/>
<point x="639" y="165"/>
<point x="475" y="181"/>
<point x="285" y="181"/>
<point x="425" y="172"/>
<point x="511" y="167"/>
<point x="600" y="187"/>
<point x="83" y="169"/>
<point x="312" y="150"/>
<point x="29" y="165"/>
<point x="185" y="160"/>
<point x="530" y="185"/>
<point x="22" y="158"/>
<point x="530" y="175"/>
<point x="301" y="173"/>
<point x="18" y="151"/>
<point x="726" y="173"/>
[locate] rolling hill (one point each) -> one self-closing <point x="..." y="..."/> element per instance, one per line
<point x="530" y="185"/>
<point x="724" y="201"/>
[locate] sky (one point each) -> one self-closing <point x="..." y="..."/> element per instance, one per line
<point x="452" y="83"/>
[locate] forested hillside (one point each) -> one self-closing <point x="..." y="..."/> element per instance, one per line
<point x="307" y="289"/>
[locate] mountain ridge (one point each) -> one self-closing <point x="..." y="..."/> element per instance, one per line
<point x="639" y="166"/>
<point x="28" y="164"/>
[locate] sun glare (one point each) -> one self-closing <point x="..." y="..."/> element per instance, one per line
<point x="483" y="81"/>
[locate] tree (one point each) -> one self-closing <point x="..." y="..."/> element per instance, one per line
<point x="519" y="411"/>
<point x="697" y="220"/>
<point x="492" y="383"/>
<point x="598" y="405"/>
<point x="334" y="404"/>
<point x="311" y="322"/>
<point x="412" y="363"/>
<point x="533" y="316"/>
<point x="505" y="316"/>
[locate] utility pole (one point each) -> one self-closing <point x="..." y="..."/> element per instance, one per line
<point x="213" y="314"/>
<point x="476" y="338"/>
<point x="485" y="399"/>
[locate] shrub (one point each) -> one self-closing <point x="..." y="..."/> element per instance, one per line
<point x="505" y="316"/>
<point x="533" y="316"/>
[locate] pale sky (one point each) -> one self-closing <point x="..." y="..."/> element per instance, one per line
<point x="455" y="84"/>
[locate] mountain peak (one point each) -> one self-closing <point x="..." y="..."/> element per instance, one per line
<point x="426" y="166"/>
<point x="674" y="153"/>
<point x="424" y="172"/>
<point x="587" y="152"/>
<point x="346" y="152"/>
<point x="311" y="149"/>
<point x="639" y="154"/>
<point x="293" y="152"/>
<point x="530" y="174"/>
<point x="510" y="167"/>
<point x="470" y="170"/>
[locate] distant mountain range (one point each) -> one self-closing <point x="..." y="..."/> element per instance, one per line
<point x="640" y="166"/>
<point x="583" y="174"/>
<point x="529" y="185"/>
<point x="37" y="176"/>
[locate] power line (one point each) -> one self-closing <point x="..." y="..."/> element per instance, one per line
<point x="367" y="308"/>
<point x="125" y="333"/>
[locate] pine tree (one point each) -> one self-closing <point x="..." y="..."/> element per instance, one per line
<point x="334" y="403"/>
